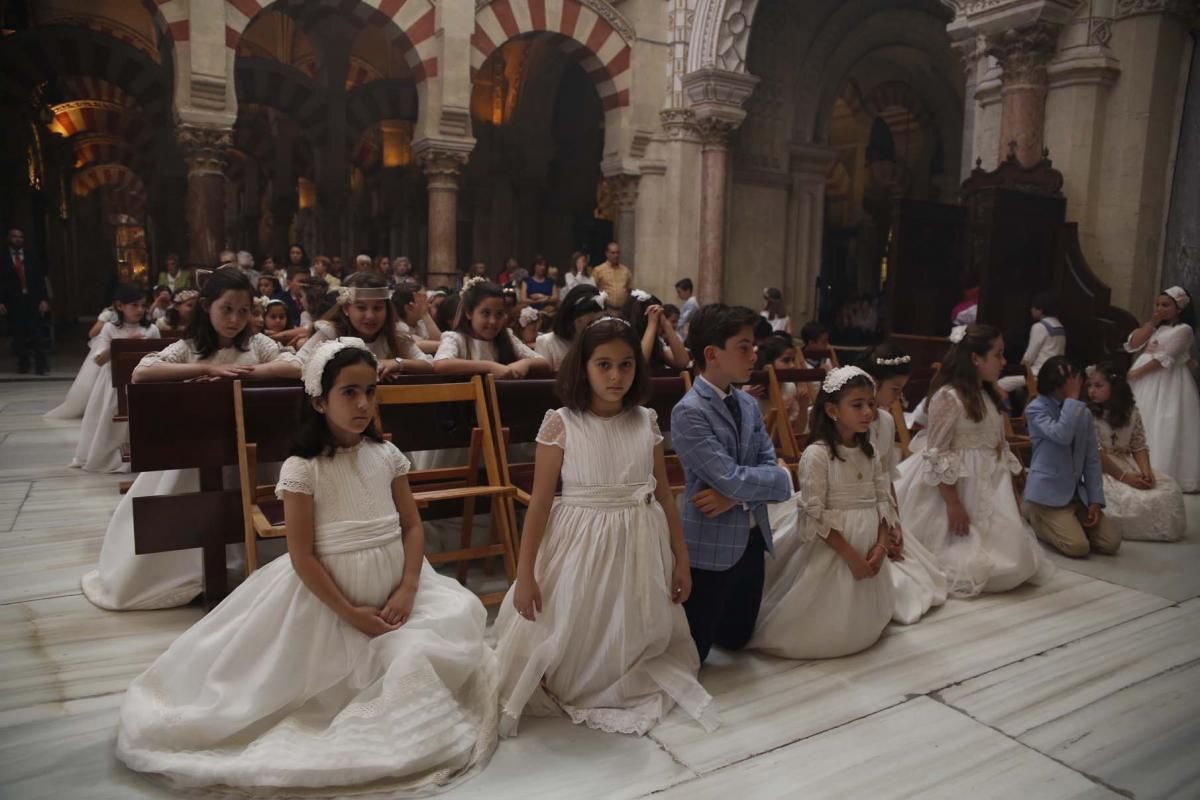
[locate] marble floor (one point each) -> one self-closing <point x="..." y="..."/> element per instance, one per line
<point x="1085" y="687"/>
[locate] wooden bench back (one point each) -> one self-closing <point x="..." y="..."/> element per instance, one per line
<point x="125" y="356"/>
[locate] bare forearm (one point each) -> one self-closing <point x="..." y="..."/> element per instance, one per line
<point x="534" y="528"/>
<point x="1142" y="458"/>
<point x="277" y="369"/>
<point x="1142" y="335"/>
<point x="537" y="366"/>
<point x="168" y="372"/>
<point x="414" y="553"/>
<point x="949" y="493"/>
<point x="461" y="366"/>
<point x="1109" y="466"/>
<point x="318" y="580"/>
<point x="840" y="546"/>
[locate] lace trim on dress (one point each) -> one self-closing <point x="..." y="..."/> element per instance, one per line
<point x="658" y="437"/>
<point x="295" y="476"/>
<point x="940" y="466"/>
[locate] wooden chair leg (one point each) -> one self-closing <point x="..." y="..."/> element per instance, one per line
<point x="468" y="517"/>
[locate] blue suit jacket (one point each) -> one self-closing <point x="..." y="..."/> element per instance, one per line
<point x="1066" y="457"/>
<point x="738" y="464"/>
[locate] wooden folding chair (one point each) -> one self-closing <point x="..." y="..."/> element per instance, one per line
<point x="1030" y="384"/>
<point x="780" y="424"/>
<point x="455" y="484"/>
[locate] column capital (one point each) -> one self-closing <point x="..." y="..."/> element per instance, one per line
<point x="679" y="124"/>
<point x="970" y="52"/>
<point x="442" y="160"/>
<point x="624" y="189"/>
<point x="1025" y="52"/>
<point x="204" y="149"/>
<point x="716" y="98"/>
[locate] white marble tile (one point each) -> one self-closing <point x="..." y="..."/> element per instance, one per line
<point x="1141" y="740"/>
<point x="49" y="569"/>
<point x="1024" y="696"/>
<point x="62" y="649"/>
<point x="918" y="749"/>
<point x="12" y="495"/>
<point x="765" y="707"/>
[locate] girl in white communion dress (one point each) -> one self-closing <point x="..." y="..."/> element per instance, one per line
<point x="349" y="666"/>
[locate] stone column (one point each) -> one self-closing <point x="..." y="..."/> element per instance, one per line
<point x="715" y="98"/>
<point x="1024" y="53"/>
<point x="809" y="168"/>
<point x="204" y="152"/>
<point x="971" y="53"/>
<point x="624" y="189"/>
<point x="443" y="167"/>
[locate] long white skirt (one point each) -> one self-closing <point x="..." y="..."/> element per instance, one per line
<point x="1170" y="407"/>
<point x="999" y="551"/>
<point x="812" y="606"/>
<point x="1148" y="515"/>
<point x="75" y="403"/>
<point x="609" y="648"/>
<point x="273" y="690"/>
<point x="100" y="439"/>
<point x="918" y="584"/>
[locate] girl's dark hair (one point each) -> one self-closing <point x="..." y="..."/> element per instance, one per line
<point x="635" y="312"/>
<point x="572" y="384"/>
<point x="318" y="298"/>
<point x="469" y="301"/>
<point x="341" y="321"/>
<point x="1119" y="408"/>
<point x="201" y="333"/>
<point x="1054" y="374"/>
<point x="958" y="371"/>
<point x="129" y="293"/>
<point x="303" y="256"/>
<point x="446" y="312"/>
<point x="577" y="302"/>
<point x="538" y="259"/>
<point x="587" y="262"/>
<point x="774" y="302"/>
<point x="812" y="331"/>
<point x="1187" y="314"/>
<point x="885" y="351"/>
<point x="405" y="292"/>
<point x="313" y="437"/>
<point x="821" y="426"/>
<point x="772" y="347"/>
<point x="275" y="287"/>
<point x="1047" y="303"/>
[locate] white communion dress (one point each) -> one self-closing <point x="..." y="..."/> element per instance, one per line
<point x="1153" y="515"/>
<point x="812" y="605"/>
<point x="100" y="438"/>
<point x="274" y="691"/>
<point x="1170" y="403"/>
<point x="125" y="581"/>
<point x="917" y="583"/>
<point x="75" y="403"/>
<point x="999" y="551"/>
<point x="609" y="648"/>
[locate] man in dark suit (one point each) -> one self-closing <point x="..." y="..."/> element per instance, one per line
<point x="25" y="301"/>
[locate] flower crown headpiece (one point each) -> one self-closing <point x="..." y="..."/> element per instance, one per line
<point x="599" y="298"/>
<point x="1180" y="297"/>
<point x="315" y="368"/>
<point x="641" y="295"/>
<point x="958" y="333"/>
<point x="470" y="282"/>
<point x="262" y="301"/>
<point x="528" y="315"/>
<point x="598" y="320"/>
<point x="352" y="294"/>
<point x="185" y="295"/>
<point x="839" y="377"/>
<point x="893" y="362"/>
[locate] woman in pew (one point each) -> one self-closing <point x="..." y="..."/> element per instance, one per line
<point x="917" y="582"/>
<point x="957" y="494"/>
<point x="594" y="626"/>
<point x="481" y="342"/>
<point x="828" y="591"/>
<point x="219" y="345"/>
<point x="349" y="666"/>
<point x="1145" y="504"/>
<point x="582" y="304"/>
<point x="100" y="438"/>
<point x="364" y="310"/>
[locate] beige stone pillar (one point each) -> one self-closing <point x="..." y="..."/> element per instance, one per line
<point x="204" y="151"/>
<point x="715" y="98"/>
<point x="442" y="163"/>
<point x="624" y="189"/>
<point x="1023" y="53"/>
<point x="809" y="168"/>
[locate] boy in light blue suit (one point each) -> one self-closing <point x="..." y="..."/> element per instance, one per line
<point x="731" y="472"/>
<point x="1064" y="492"/>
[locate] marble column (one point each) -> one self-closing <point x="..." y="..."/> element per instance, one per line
<point x="970" y="52"/>
<point x="1023" y="53"/>
<point x="624" y="188"/>
<point x="204" y="151"/>
<point x="442" y="171"/>
<point x="714" y="178"/>
<point x="809" y="168"/>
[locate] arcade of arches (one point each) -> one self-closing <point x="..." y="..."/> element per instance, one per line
<point x="743" y="143"/>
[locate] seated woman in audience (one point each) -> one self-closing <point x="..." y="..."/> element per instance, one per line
<point x="779" y="351"/>
<point x="526" y="325"/>
<point x="218" y="345"/>
<point x="350" y="662"/>
<point x="480" y="340"/>
<point x="956" y="495"/>
<point x="1143" y="503"/>
<point x="661" y="346"/>
<point x="917" y="582"/>
<point x="580" y="271"/>
<point x="415" y="313"/>
<point x="100" y="438"/>
<point x="828" y="590"/>
<point x="364" y="310"/>
<point x="594" y="626"/>
<point x="582" y="304"/>
<point x="1165" y="389"/>
<point x="538" y="290"/>
<point x="179" y="315"/>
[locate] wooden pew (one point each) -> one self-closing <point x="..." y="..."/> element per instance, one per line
<point x="126" y="353"/>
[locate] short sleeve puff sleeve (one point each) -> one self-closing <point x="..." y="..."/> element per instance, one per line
<point x="267" y="350"/>
<point x="448" y="347"/>
<point x="654" y="429"/>
<point x="553" y="431"/>
<point x="400" y="463"/>
<point x="295" y="477"/>
<point x="177" y="352"/>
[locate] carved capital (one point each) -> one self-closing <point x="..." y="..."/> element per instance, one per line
<point x="442" y="168"/>
<point x="1024" y="53"/>
<point x="624" y="190"/>
<point x="715" y="132"/>
<point x="679" y="124"/>
<point x="204" y="149"/>
<point x="969" y="52"/>
<point x="1133" y="8"/>
<point x="716" y="98"/>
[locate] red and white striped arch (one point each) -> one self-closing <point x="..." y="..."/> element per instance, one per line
<point x="598" y="47"/>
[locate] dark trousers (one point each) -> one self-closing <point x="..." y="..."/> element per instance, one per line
<point x="30" y="333"/>
<point x="723" y="606"/>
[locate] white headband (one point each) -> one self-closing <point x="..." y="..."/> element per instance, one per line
<point x="641" y="295"/>
<point x="599" y="298"/>
<point x="598" y="320"/>
<point x="1180" y="297"/>
<point x="185" y="295"/>
<point x="469" y="282"/>
<point x="893" y="362"/>
<point x="315" y="368"/>
<point x="352" y="294"/>
<point x="528" y="315"/>
<point x="839" y="377"/>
